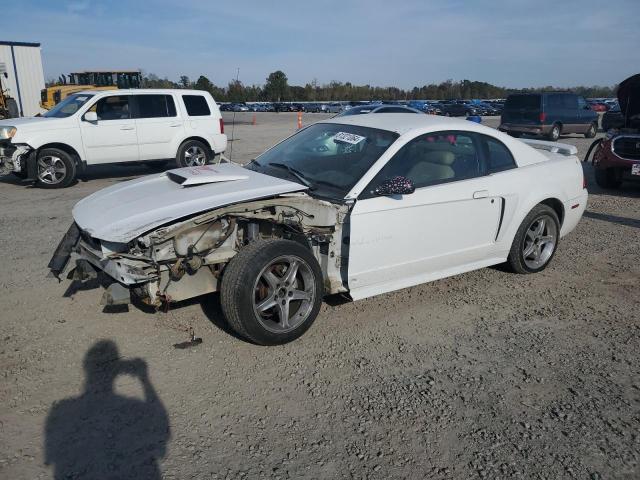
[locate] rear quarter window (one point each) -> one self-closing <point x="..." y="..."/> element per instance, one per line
<point x="196" y="105"/>
<point x="499" y="157"/>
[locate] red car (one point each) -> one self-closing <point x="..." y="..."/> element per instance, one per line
<point x="617" y="156"/>
<point x="598" y="107"/>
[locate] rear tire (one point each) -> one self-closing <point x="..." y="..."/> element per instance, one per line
<point x="536" y="241"/>
<point x="554" y="134"/>
<point x="193" y="153"/>
<point x="593" y="130"/>
<point x="607" y="178"/>
<point x="55" y="168"/>
<point x="258" y="293"/>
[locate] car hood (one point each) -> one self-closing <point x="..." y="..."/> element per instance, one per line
<point x="30" y="123"/>
<point x="122" y="212"/>
<point x="629" y="97"/>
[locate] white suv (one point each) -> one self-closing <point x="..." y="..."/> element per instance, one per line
<point x="113" y="126"/>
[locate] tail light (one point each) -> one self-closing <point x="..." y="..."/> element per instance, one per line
<point x="221" y="125"/>
<point x="543" y="117"/>
<point x="584" y="181"/>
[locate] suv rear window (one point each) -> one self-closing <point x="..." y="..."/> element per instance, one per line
<point x="522" y="101"/>
<point x="196" y="105"/>
<point x="155" y="106"/>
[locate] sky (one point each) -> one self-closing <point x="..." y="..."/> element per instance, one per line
<point x="403" y="43"/>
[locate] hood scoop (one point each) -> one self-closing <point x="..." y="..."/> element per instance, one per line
<point x="200" y="175"/>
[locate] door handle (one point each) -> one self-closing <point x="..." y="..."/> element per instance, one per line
<point x="127" y="128"/>
<point x="481" y="194"/>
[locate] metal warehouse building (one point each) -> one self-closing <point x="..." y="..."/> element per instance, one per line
<point x="25" y="79"/>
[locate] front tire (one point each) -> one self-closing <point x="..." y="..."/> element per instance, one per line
<point x="593" y="130"/>
<point x="55" y="168"/>
<point x="272" y="291"/>
<point x="536" y="241"/>
<point x="193" y="153"/>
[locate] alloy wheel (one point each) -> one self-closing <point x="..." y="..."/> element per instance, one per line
<point x="284" y="294"/>
<point x="51" y="170"/>
<point x="195" y="156"/>
<point x="539" y="242"/>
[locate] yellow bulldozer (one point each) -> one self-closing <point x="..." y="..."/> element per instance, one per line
<point x="8" y="105"/>
<point x="88" y="80"/>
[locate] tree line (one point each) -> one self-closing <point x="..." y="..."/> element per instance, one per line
<point x="277" y="89"/>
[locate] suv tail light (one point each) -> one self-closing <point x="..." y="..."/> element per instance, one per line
<point x="543" y="117"/>
<point x="221" y="125"/>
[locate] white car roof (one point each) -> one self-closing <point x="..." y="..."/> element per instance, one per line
<point x="402" y="123"/>
<point x="143" y="91"/>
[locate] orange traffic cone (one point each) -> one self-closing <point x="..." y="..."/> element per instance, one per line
<point x="299" y="120"/>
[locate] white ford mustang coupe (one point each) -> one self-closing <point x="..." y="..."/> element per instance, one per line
<point x="358" y="205"/>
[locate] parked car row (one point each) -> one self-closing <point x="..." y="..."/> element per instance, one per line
<point x="449" y="108"/>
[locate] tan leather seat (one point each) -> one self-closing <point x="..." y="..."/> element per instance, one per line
<point x="432" y="166"/>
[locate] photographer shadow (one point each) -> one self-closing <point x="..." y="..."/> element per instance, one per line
<point x="100" y="434"/>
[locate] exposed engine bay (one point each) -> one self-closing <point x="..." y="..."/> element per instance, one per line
<point x="186" y="259"/>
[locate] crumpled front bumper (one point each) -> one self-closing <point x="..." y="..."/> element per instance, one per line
<point x="13" y="158"/>
<point x="121" y="267"/>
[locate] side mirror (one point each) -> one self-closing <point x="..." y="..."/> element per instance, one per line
<point x="395" y="186"/>
<point x="90" y="117"/>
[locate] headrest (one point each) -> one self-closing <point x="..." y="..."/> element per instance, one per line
<point x="440" y="157"/>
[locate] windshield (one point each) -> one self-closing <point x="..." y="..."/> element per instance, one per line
<point x="329" y="157"/>
<point x="68" y="106"/>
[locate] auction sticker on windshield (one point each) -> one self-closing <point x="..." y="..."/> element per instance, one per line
<point x="345" y="137"/>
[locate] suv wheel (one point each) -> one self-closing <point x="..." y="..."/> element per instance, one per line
<point x="192" y="154"/>
<point x="607" y="178"/>
<point x="272" y="291"/>
<point x="593" y="130"/>
<point x="536" y="241"/>
<point x="554" y="134"/>
<point x="55" y="168"/>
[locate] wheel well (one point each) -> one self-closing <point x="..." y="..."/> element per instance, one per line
<point x="199" y="139"/>
<point x="65" y="148"/>
<point x="559" y="124"/>
<point x="557" y="207"/>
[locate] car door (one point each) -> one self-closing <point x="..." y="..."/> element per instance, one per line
<point x="113" y="137"/>
<point x="158" y="125"/>
<point x="448" y="225"/>
<point x="572" y="120"/>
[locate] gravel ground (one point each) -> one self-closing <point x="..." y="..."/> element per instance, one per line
<point x="482" y="375"/>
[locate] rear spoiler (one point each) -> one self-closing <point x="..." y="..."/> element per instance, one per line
<point x="553" y="147"/>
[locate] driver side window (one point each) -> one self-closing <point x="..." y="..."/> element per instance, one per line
<point x="432" y="159"/>
<point x="112" y="108"/>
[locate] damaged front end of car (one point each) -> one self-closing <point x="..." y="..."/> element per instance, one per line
<point x="187" y="258"/>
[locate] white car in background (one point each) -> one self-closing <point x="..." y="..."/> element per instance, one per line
<point x="113" y="126"/>
<point x="359" y="205"/>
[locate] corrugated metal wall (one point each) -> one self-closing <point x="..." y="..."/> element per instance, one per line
<point x="28" y="67"/>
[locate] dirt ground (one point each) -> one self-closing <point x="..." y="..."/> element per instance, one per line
<point x="483" y="375"/>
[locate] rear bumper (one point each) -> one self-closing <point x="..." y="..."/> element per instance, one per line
<point x="523" y="128"/>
